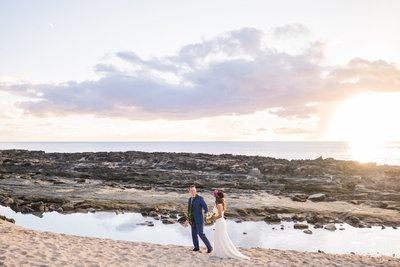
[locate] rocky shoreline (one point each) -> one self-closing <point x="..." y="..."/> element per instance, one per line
<point x="319" y="191"/>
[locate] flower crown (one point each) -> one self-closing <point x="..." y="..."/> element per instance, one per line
<point x="215" y="192"/>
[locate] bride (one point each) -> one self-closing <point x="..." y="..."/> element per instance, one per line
<point x="223" y="246"/>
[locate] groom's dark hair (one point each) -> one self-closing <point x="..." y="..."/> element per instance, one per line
<point x="191" y="186"/>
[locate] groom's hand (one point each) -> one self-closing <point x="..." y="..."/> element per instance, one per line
<point x="186" y="224"/>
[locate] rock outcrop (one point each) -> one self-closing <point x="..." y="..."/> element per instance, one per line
<point x="37" y="182"/>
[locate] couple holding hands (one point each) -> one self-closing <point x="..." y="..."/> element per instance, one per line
<point x="223" y="246"/>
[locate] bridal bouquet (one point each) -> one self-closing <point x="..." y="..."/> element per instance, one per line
<point x="210" y="218"/>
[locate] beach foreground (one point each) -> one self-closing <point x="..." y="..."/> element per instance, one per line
<point x="23" y="247"/>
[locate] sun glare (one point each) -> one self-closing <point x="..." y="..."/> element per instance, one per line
<point x="367" y="121"/>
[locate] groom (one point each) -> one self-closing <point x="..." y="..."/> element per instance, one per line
<point x="196" y="219"/>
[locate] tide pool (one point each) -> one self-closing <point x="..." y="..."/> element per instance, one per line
<point x="366" y="241"/>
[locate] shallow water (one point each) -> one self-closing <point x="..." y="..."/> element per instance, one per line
<point x="366" y="241"/>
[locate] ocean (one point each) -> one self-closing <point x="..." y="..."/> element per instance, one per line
<point x="388" y="153"/>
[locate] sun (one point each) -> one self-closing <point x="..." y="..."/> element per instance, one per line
<point x="367" y="121"/>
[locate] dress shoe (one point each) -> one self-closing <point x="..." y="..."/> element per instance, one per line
<point x="210" y="250"/>
<point x="196" y="249"/>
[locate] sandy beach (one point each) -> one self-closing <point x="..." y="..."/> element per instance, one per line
<point x="24" y="247"/>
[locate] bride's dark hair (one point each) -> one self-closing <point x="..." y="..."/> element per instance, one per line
<point x="219" y="199"/>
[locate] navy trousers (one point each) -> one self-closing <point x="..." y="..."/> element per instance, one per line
<point x="197" y="229"/>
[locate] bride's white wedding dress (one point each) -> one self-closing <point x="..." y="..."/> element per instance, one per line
<point x="223" y="246"/>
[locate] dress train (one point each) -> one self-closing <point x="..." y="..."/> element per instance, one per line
<point x="223" y="246"/>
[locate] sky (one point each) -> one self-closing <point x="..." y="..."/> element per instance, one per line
<point x="232" y="70"/>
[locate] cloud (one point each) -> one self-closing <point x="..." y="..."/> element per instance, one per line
<point x="234" y="73"/>
<point x="262" y="129"/>
<point x="300" y="112"/>
<point x="106" y="69"/>
<point x="291" y="30"/>
<point x="292" y="131"/>
<point x="4" y="115"/>
<point x="362" y="75"/>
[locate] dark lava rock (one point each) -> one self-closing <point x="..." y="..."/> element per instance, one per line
<point x="300" y="226"/>
<point x="173" y="216"/>
<point x="353" y="221"/>
<point x="330" y="227"/>
<point x="298" y="218"/>
<point x="315" y="218"/>
<point x="67" y="207"/>
<point x="4" y="218"/>
<point x="300" y="197"/>
<point x="168" y="221"/>
<point x="147" y="223"/>
<point x="6" y="201"/>
<point x="318" y="225"/>
<point x="182" y="220"/>
<point x="273" y="218"/>
<point x="382" y="205"/>
<point x="153" y="214"/>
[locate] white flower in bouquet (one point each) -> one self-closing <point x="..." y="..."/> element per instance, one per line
<point x="210" y="218"/>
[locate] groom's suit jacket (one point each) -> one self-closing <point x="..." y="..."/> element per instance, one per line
<point x="198" y="205"/>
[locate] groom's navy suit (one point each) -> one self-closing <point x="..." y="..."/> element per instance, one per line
<point x="198" y="221"/>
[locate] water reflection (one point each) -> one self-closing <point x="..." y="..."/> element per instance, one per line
<point x="379" y="152"/>
<point x="370" y="241"/>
